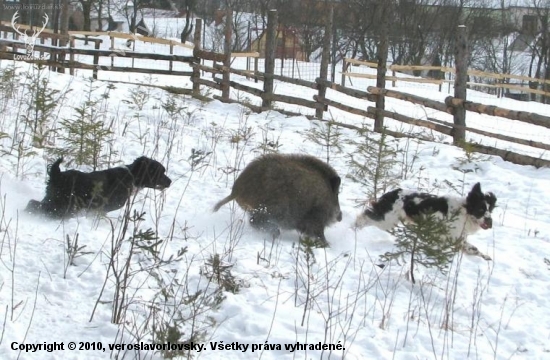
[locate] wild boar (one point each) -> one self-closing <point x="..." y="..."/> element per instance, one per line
<point x="288" y="191"/>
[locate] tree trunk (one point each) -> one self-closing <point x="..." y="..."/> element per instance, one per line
<point x="461" y="80"/>
<point x="382" y="59"/>
<point x="86" y="14"/>
<point x="99" y="15"/>
<point x="325" y="58"/>
<point x="188" y="28"/>
<point x="270" y="43"/>
<point x="64" y="17"/>
<point x="227" y="51"/>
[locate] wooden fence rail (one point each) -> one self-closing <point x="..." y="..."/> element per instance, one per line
<point x="498" y="80"/>
<point x="523" y="116"/>
<point x="54" y="50"/>
<point x="223" y="77"/>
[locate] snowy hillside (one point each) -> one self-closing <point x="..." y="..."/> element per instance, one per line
<point x="214" y="281"/>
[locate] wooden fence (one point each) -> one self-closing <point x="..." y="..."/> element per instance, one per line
<point x="219" y="68"/>
<point x="497" y="81"/>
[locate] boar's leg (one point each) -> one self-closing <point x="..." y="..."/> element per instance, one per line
<point x="262" y="221"/>
<point x="314" y="227"/>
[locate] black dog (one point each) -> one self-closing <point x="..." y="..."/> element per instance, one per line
<point x="71" y="192"/>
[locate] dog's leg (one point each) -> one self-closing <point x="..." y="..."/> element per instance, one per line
<point x="34" y="207"/>
<point x="470" y="249"/>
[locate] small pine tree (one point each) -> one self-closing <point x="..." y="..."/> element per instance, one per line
<point x="9" y="82"/>
<point x="372" y="163"/>
<point x="326" y="134"/>
<point x="86" y="134"/>
<point x="426" y="242"/>
<point x="217" y="270"/>
<point x="304" y="272"/>
<point x="42" y="102"/>
<point x="469" y="161"/>
<point x="176" y="111"/>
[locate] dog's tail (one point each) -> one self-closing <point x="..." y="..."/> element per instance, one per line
<point x="376" y="212"/>
<point x="53" y="169"/>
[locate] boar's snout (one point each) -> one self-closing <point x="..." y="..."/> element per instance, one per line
<point x="339" y="216"/>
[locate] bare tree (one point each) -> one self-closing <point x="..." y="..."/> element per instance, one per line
<point x="540" y="48"/>
<point x="99" y="6"/>
<point x="242" y="12"/>
<point x="130" y="10"/>
<point x="64" y="17"/>
<point x="310" y="24"/>
<point x="206" y="9"/>
<point x="25" y="12"/>
<point x="359" y="23"/>
<point x="188" y="7"/>
<point x="86" y="13"/>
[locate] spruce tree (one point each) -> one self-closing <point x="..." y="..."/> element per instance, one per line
<point x="425" y="241"/>
<point x="373" y="162"/>
<point x="86" y="134"/>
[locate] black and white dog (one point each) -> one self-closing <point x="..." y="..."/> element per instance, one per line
<point x="70" y="192"/>
<point x="474" y="212"/>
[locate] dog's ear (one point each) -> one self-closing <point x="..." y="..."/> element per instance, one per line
<point x="476" y="189"/>
<point x="139" y="166"/>
<point x="140" y="160"/>
<point x="475" y="193"/>
<point x="491" y="200"/>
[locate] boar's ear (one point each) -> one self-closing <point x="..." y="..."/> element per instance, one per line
<point x="335" y="184"/>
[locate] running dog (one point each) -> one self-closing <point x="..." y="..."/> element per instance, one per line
<point x="71" y="192"/>
<point x="473" y="212"/>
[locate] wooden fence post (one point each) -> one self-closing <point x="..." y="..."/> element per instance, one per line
<point x="62" y="55"/>
<point x="325" y="58"/>
<point x="170" y="64"/>
<point x="71" y="55"/>
<point x="196" y="72"/>
<point x="227" y="51"/>
<point x="257" y="58"/>
<point x="256" y="68"/>
<point x="381" y="69"/>
<point x="112" y="38"/>
<point x="96" y="61"/>
<point x="461" y="79"/>
<point x="269" y="67"/>
<point x="42" y="43"/>
<point x="63" y="26"/>
<point x="344" y="69"/>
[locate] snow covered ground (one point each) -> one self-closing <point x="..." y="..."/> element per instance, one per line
<point x="274" y="294"/>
